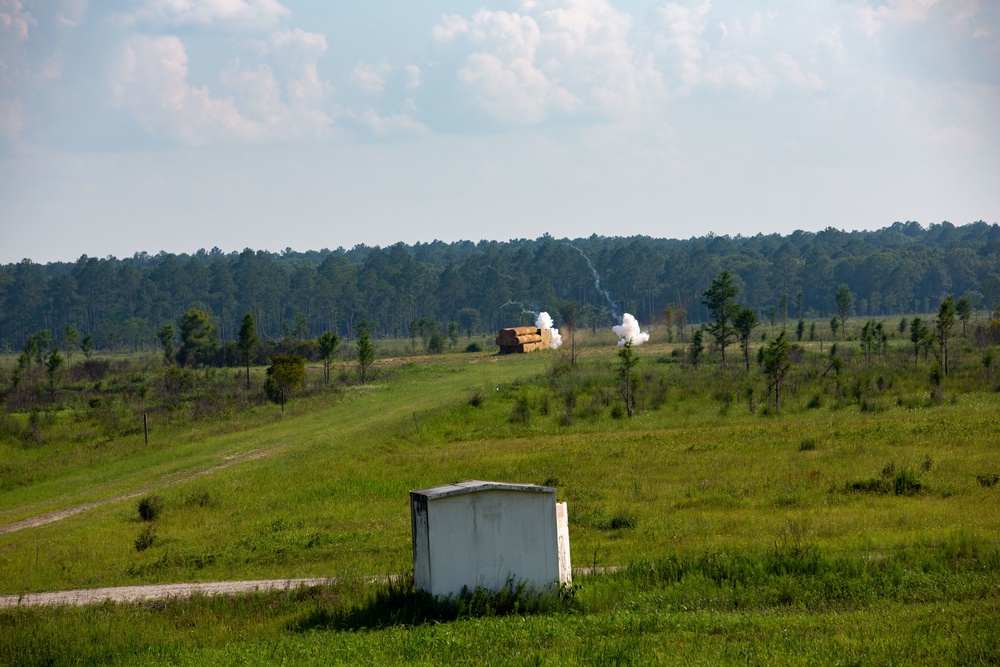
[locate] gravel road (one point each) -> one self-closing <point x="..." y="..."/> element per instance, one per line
<point x="153" y="592"/>
<point x="87" y="596"/>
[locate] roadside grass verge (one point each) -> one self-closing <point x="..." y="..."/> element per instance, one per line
<point x="933" y="605"/>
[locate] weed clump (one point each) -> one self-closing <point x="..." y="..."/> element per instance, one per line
<point x="199" y="498"/>
<point x="988" y="480"/>
<point x="146" y="538"/>
<point x="150" y="508"/>
<point x="807" y="445"/>
<point x="901" y="482"/>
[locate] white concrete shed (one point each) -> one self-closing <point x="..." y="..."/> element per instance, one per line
<point x="480" y="534"/>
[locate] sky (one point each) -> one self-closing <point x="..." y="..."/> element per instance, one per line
<point x="173" y="125"/>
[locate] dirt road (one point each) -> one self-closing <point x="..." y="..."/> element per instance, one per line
<point x="174" y="478"/>
<point x="87" y="596"/>
<point x="153" y="592"/>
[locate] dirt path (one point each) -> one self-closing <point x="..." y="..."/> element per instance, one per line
<point x="174" y="478"/>
<point x="153" y="592"/>
<point x="85" y="596"/>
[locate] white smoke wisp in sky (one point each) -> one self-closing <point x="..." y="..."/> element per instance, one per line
<point x="629" y="330"/>
<point x="597" y="279"/>
<point x="544" y="321"/>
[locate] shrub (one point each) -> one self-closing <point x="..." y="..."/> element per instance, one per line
<point x="906" y="483"/>
<point x="473" y="347"/>
<point x="146" y="538"/>
<point x="901" y="482"/>
<point x="521" y="412"/>
<point x="622" y="521"/>
<point x="150" y="508"/>
<point x="476" y="399"/>
<point x="988" y="480"/>
<point x="200" y="498"/>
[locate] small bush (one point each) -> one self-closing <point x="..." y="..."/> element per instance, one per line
<point x="473" y="347"/>
<point x="988" y="480"/>
<point x="200" y="498"/>
<point x="622" y="521"/>
<point x="150" y="508"/>
<point x="521" y="414"/>
<point x="901" y="482"/>
<point x="814" y="402"/>
<point x="476" y="400"/>
<point x="906" y="483"/>
<point x="146" y="538"/>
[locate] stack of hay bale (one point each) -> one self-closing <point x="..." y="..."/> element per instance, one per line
<point x="523" y="339"/>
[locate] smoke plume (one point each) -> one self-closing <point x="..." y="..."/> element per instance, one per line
<point x="544" y="321"/>
<point x="629" y="330"/>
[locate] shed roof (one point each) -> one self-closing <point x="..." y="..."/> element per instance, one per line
<point x="475" y="485"/>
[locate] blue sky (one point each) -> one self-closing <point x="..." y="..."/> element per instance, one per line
<point x="173" y="125"/>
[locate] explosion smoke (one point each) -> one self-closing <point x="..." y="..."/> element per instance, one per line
<point x="629" y="330"/>
<point x="544" y="321"/>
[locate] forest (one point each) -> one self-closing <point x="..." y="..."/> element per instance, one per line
<point x="121" y="304"/>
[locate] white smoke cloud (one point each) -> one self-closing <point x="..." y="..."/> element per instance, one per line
<point x="629" y="330"/>
<point x="544" y="321"/>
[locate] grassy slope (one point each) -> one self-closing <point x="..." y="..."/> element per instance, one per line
<point x="331" y="500"/>
<point x="331" y="496"/>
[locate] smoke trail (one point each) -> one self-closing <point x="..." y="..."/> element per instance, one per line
<point x="597" y="279"/>
<point x="544" y="321"/>
<point x="629" y="330"/>
<point x="524" y="311"/>
<point x="499" y="272"/>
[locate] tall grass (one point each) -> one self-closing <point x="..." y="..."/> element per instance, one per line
<point x="652" y="610"/>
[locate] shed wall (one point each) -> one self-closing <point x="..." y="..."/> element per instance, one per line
<point x="485" y="537"/>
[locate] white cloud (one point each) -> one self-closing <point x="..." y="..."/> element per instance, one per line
<point x="236" y="14"/>
<point x="31" y="57"/>
<point x="152" y="83"/>
<point x="390" y="124"/>
<point x="792" y="71"/>
<point x="15" y="28"/>
<point x="413" y="77"/>
<point x="682" y="43"/>
<point x="282" y="98"/>
<point x="15" y="19"/>
<point x="874" y="17"/>
<point x="297" y="52"/>
<point x="556" y="57"/>
<point x="72" y="13"/>
<point x="370" y="77"/>
<point x="11" y="118"/>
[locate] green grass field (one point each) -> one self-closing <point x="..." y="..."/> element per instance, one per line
<point x="755" y="536"/>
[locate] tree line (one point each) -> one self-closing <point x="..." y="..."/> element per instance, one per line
<point x="113" y="303"/>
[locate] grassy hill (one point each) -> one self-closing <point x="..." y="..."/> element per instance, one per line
<point x="859" y="521"/>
